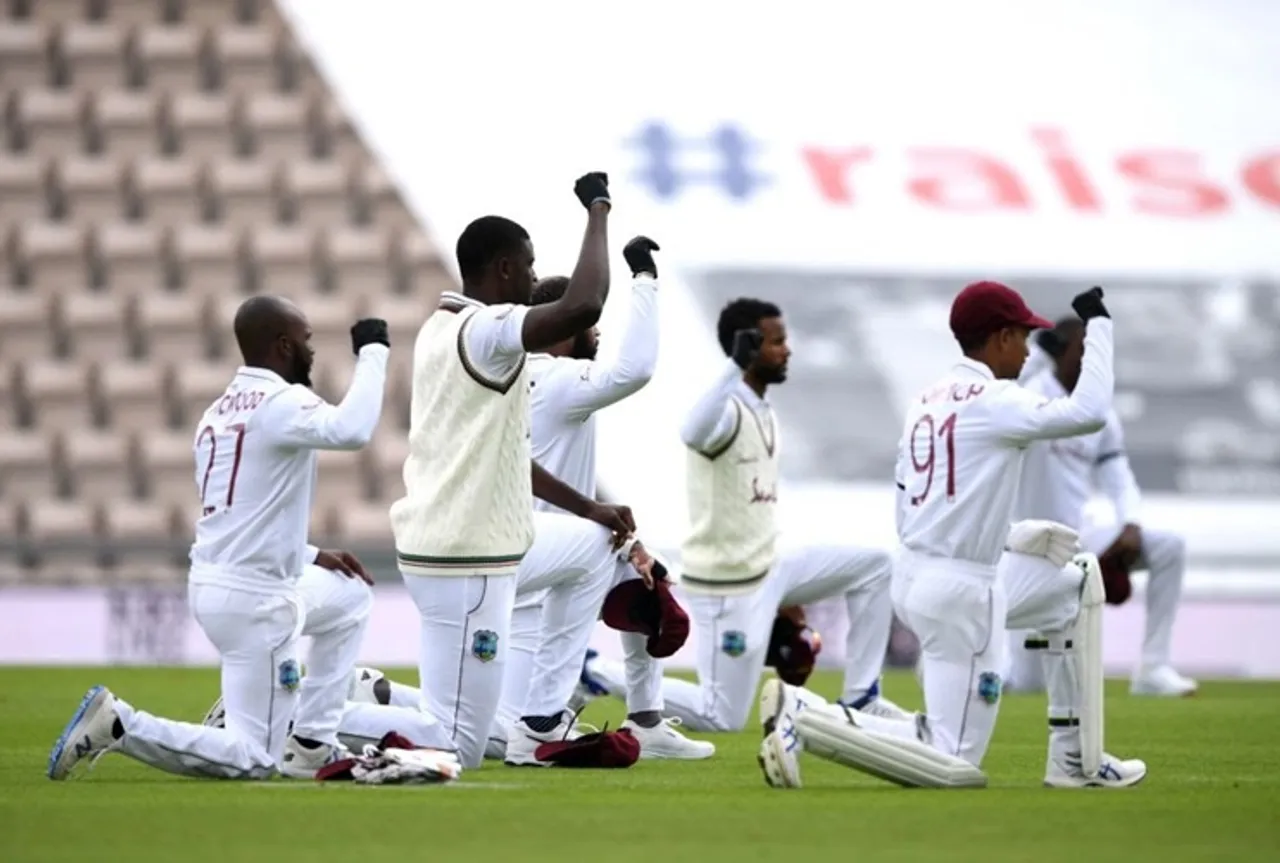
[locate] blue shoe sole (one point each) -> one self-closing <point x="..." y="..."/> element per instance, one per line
<point x="56" y="754"/>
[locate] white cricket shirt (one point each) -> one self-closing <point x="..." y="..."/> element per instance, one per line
<point x="1060" y="476"/>
<point x="255" y="468"/>
<point x="565" y="394"/>
<point x="964" y="440"/>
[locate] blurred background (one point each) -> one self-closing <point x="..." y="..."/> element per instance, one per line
<point x="856" y="162"/>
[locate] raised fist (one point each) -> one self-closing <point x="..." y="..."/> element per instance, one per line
<point x="368" y="332"/>
<point x="593" y="188"/>
<point x="639" y="256"/>
<point x="1089" y="305"/>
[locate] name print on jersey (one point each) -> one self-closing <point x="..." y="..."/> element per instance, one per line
<point x="761" y="495"/>
<point x="225" y="446"/>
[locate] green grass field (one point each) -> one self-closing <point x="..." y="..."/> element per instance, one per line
<point x="1213" y="793"/>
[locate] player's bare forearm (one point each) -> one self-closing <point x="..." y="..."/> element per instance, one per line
<point x="550" y="489"/>
<point x="583" y="300"/>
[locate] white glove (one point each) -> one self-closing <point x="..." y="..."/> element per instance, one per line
<point x="1055" y="542"/>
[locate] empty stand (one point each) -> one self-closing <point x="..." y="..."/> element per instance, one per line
<point x="57" y="393"/>
<point x="25" y="324"/>
<point x="161" y="161"/>
<point x="24" y="194"/>
<point x="99" y="465"/>
<point x="89" y="190"/>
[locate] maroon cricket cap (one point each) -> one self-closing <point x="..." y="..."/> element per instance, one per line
<point x="983" y="308"/>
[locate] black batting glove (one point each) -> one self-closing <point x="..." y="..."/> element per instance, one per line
<point x="593" y="188"/>
<point x="1089" y="305"/>
<point x="639" y="256"/>
<point x="746" y="347"/>
<point x="370" y="331"/>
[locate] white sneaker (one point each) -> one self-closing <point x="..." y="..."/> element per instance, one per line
<point x="217" y="715"/>
<point x="1064" y="772"/>
<point x="369" y="686"/>
<point x="664" y="741"/>
<point x="523" y="741"/>
<point x="299" y="762"/>
<point x="779" y="757"/>
<point x="1162" y="680"/>
<point x="89" y="733"/>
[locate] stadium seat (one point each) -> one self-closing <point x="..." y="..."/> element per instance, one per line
<point x="278" y="125"/>
<point x="336" y="134"/>
<point x="130" y="254"/>
<point x="60" y="11"/>
<point x="171" y="57"/>
<point x="246" y="59"/>
<point x="365" y="524"/>
<point x="64" y="532"/>
<point x="133" y="395"/>
<point x="94" y="54"/>
<point x="53" y="255"/>
<point x="196" y="385"/>
<point x="27" y="466"/>
<point x="168" y="466"/>
<point x="96" y="325"/>
<point x="360" y="260"/>
<point x="24" y="53"/>
<point x="127" y="124"/>
<point x="284" y="259"/>
<point x="100" y="464"/>
<point x="167" y="191"/>
<point x="173" y="326"/>
<point x="204" y="14"/>
<point x="52" y="121"/>
<point x="12" y="573"/>
<point x="58" y="392"/>
<point x="243" y="192"/>
<point x="341" y="476"/>
<point x="24" y="187"/>
<point x="26" y="322"/>
<point x="141" y="535"/>
<point x="381" y="199"/>
<point x="331" y="317"/>
<point x="389" y="452"/>
<point x="91" y="190"/>
<point x="317" y="193"/>
<point x="205" y="126"/>
<point x="10" y="396"/>
<point x="208" y="259"/>
<point x="424" y="270"/>
<point x="134" y="13"/>
<point x="404" y="315"/>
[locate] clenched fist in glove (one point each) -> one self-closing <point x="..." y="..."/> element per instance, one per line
<point x="592" y="189"/>
<point x="1055" y="542"/>
<point x="639" y="256"/>
<point x="1089" y="305"/>
<point x="370" y="331"/>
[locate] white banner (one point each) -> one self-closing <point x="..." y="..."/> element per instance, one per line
<point x="151" y="626"/>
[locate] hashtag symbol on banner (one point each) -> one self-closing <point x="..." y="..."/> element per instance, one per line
<point x="723" y="159"/>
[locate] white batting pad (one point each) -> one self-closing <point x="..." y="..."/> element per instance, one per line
<point x="1088" y="650"/>
<point x="909" y="763"/>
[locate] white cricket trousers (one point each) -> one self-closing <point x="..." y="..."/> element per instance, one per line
<point x="257" y="638"/>
<point x="561" y="586"/>
<point x="463" y="652"/>
<point x="1164" y="556"/>
<point x="733" y="632"/>
<point x="957" y="611"/>
<point x="565" y="577"/>
<point x="337" y="613"/>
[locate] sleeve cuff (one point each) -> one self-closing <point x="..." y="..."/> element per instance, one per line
<point x="312" y="552"/>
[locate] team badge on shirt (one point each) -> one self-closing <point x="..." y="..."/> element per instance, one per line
<point x="289" y="675"/>
<point x="734" y="643"/>
<point x="484" y="645"/>
<point x="989" y="686"/>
